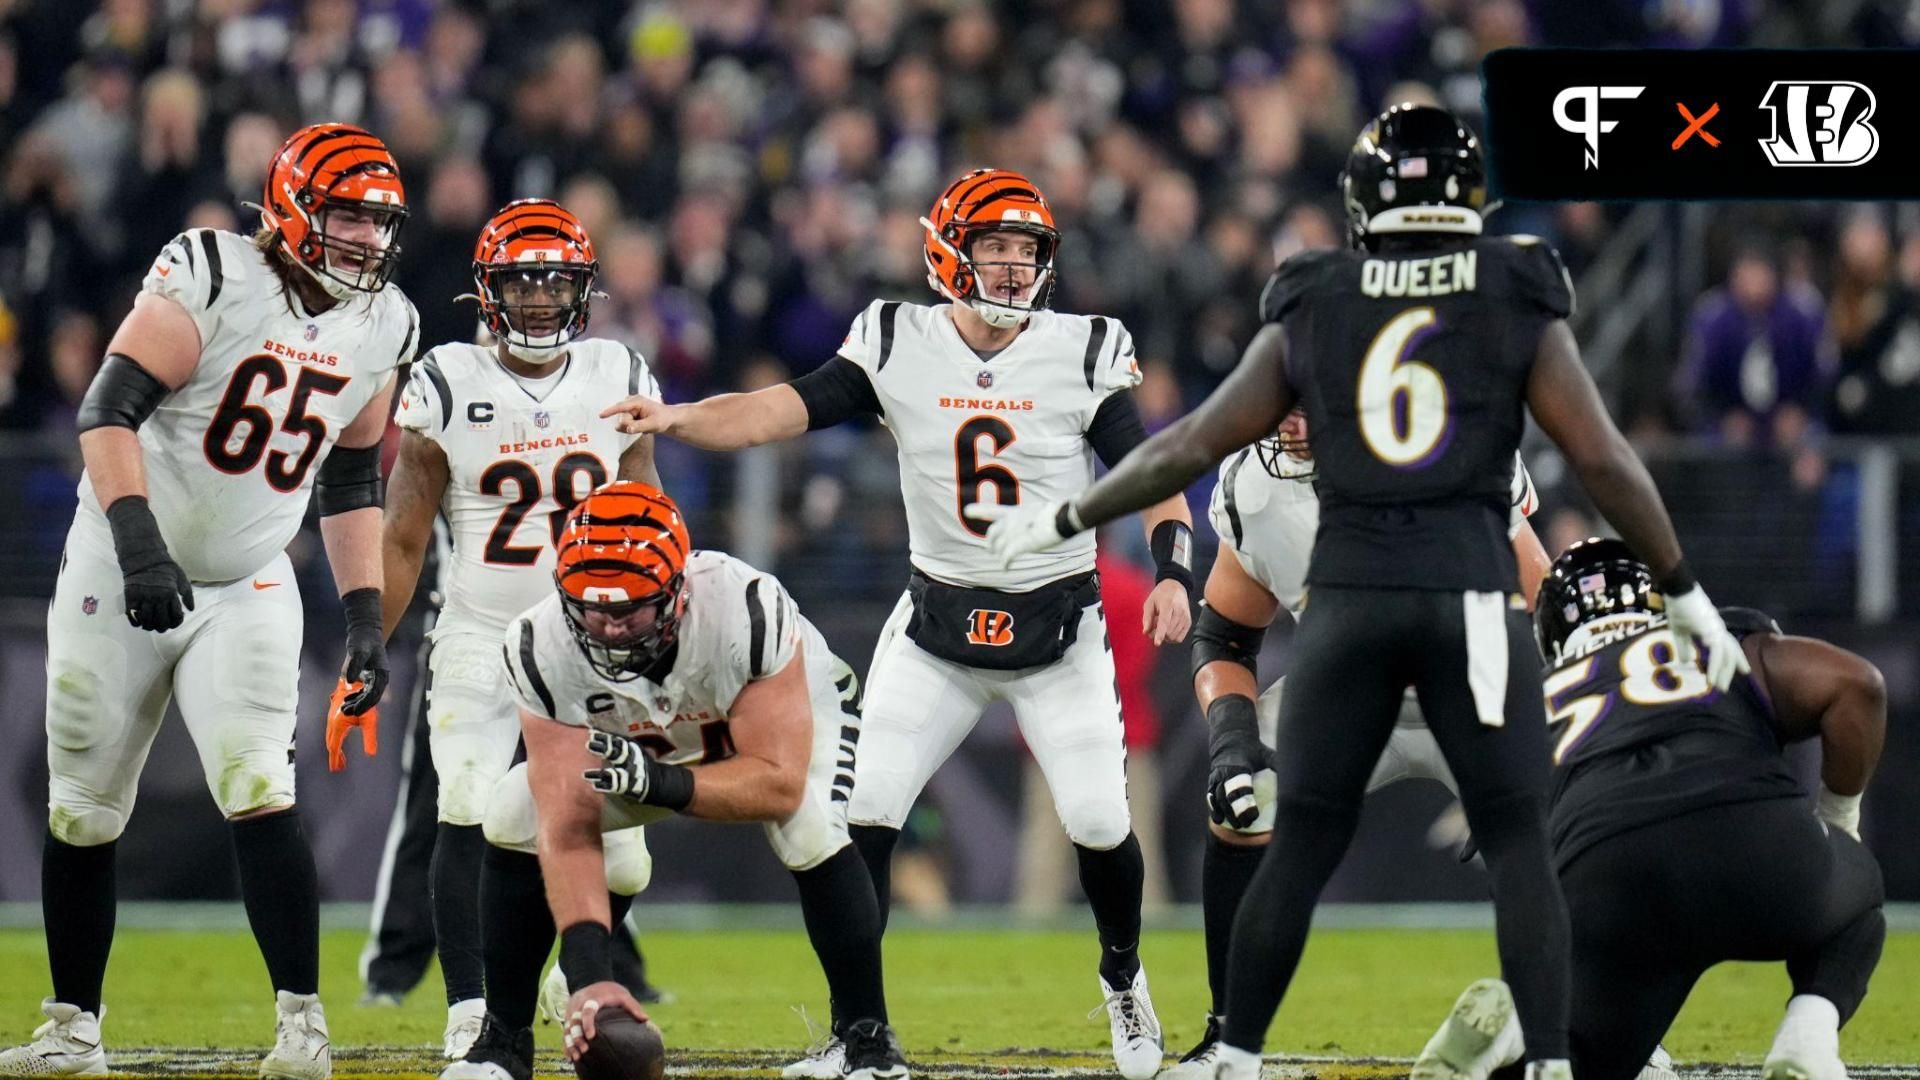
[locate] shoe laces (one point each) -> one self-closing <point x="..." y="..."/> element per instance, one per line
<point x="494" y="1044"/>
<point x="1125" y="1004"/>
<point x="1209" y="1045"/>
<point x="869" y="1038"/>
<point x="819" y="1040"/>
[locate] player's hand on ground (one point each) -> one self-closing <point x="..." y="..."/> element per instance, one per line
<point x="625" y="771"/>
<point x="586" y="1003"/>
<point x="1691" y="616"/>
<point x="1020" y="529"/>
<point x="642" y="415"/>
<point x="1235" y="753"/>
<point x="1168" y="614"/>
<point x="340" y="722"/>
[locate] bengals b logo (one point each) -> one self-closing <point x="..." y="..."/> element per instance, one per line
<point x="988" y="627"/>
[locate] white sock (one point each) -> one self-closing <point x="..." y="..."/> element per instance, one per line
<point x="1238" y="1062"/>
<point x="1813" y="1011"/>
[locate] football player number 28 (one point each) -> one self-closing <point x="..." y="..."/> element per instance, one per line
<point x="1649" y="675"/>
<point x="239" y="413"/>
<point x="1403" y="403"/>
<point x="982" y="436"/>
<point x="568" y="488"/>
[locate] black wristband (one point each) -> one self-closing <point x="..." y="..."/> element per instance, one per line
<point x="363" y="608"/>
<point x="136" y="534"/>
<point x="585" y="958"/>
<point x="1233" y="714"/>
<point x="1172" y="546"/>
<point x="1066" y="522"/>
<point x="1678" y="580"/>
<point x="669" y="786"/>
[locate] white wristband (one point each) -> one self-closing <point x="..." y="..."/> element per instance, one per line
<point x="1839" y="811"/>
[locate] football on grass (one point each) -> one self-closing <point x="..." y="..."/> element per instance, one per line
<point x="622" y="1049"/>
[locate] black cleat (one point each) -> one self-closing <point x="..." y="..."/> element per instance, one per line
<point x="498" y="1054"/>
<point x="873" y="1052"/>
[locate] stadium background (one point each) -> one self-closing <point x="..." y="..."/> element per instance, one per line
<point x="752" y="172"/>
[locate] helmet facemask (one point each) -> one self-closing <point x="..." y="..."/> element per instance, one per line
<point x="536" y="310"/>
<point x="994" y="248"/>
<point x="1289" y="443"/>
<point x="624" y="637"/>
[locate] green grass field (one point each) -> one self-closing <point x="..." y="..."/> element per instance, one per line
<point x="985" y="1002"/>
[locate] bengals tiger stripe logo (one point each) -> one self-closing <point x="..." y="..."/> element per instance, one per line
<point x="988" y="627"/>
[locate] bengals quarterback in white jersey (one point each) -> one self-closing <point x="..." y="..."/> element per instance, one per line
<point x="1266" y="513"/>
<point x="251" y="374"/>
<point x="502" y="440"/>
<point x="991" y="398"/>
<point x="678" y="682"/>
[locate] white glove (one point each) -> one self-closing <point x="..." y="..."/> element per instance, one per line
<point x="1691" y="615"/>
<point x="1022" y="529"/>
<point x="1838" y="811"/>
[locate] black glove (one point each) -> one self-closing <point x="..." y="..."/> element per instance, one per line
<point x="631" y="774"/>
<point x="1235" y="753"/>
<point x="158" y="593"/>
<point x="366" y="651"/>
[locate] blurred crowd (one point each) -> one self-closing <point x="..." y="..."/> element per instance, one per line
<point x="753" y="171"/>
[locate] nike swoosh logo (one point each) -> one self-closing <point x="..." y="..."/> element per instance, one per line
<point x="266" y="584"/>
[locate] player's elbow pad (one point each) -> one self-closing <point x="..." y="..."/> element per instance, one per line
<point x="122" y="394"/>
<point x="1216" y="637"/>
<point x="349" y="480"/>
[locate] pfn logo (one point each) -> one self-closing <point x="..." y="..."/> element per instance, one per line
<point x="988" y="627"/>
<point x="1820" y="123"/>
<point x="1588" y="125"/>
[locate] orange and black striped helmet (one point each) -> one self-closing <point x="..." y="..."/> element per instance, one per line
<point x="622" y="575"/>
<point x="533" y="246"/>
<point x="331" y="171"/>
<point x="981" y="202"/>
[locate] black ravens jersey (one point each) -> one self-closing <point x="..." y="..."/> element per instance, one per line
<point x="1639" y="738"/>
<point x="1412" y="366"/>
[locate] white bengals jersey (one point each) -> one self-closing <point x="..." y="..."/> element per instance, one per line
<point x="231" y="455"/>
<point x="740" y="625"/>
<point x="516" y="465"/>
<point x="1011" y="429"/>
<point x="1270" y="521"/>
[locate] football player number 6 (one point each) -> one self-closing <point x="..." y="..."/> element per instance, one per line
<point x="1403" y="403"/>
<point x="970" y="475"/>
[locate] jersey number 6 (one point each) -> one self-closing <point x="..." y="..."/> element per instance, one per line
<point x="969" y="474"/>
<point x="1402" y="403"/>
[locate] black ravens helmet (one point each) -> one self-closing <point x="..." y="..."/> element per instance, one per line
<point x="1592" y="579"/>
<point x="1414" y="169"/>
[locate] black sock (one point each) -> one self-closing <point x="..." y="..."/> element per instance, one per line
<point x="77" y="906"/>
<point x="876" y="849"/>
<point x="282" y="894"/>
<point x="629" y="963"/>
<point x="843" y="922"/>
<point x="516" y="929"/>
<point x="457" y="851"/>
<point x="1843" y="964"/>
<point x="1270" y="929"/>
<point x="1530" y="921"/>
<point x="1112" y="880"/>
<point x="1225" y="870"/>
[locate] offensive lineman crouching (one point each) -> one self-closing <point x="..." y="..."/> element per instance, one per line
<point x="706" y="693"/>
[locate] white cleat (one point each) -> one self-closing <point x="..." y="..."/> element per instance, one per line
<point x="554" y="995"/>
<point x="464" y="1021"/>
<point x="1659" y="1066"/>
<point x="1201" y="1061"/>
<point x="825" y="1060"/>
<point x="68" y="1044"/>
<point x="1481" y="1034"/>
<point x="1233" y="1063"/>
<point x="1807" y="1047"/>
<point x="1137" y="1044"/>
<point x="301" y="1050"/>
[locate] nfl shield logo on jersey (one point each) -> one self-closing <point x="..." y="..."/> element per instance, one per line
<point x="541" y="418"/>
<point x="89" y="605"/>
<point x="312" y="331"/>
<point x="984" y="379"/>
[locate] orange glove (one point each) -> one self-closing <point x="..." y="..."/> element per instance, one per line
<point x="339" y="723"/>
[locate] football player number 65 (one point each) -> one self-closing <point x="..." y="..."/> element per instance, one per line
<point x="1402" y="403"/>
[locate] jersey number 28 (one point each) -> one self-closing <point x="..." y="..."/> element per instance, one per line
<point x="526" y="485"/>
<point x="1402" y="402"/>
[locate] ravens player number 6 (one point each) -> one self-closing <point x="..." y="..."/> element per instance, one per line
<point x="249" y="375"/>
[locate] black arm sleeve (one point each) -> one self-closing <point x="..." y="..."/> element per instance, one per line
<point x="349" y="479"/>
<point x="122" y="394"/>
<point x="835" y="391"/>
<point x="1116" y="428"/>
